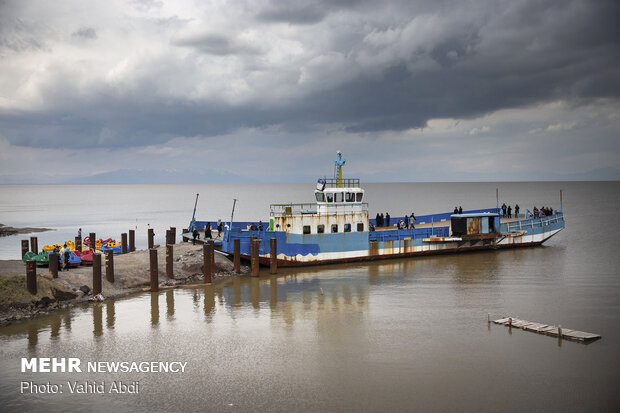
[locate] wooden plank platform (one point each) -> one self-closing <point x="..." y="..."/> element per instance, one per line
<point x="549" y="330"/>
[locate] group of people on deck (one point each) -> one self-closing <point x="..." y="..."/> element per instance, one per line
<point x="207" y="231"/>
<point x="384" y="221"/>
<point x="506" y="211"/>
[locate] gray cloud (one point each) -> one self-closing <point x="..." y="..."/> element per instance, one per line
<point x="354" y="67"/>
<point x="85" y="32"/>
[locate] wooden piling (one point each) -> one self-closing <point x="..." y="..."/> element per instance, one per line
<point x="559" y="331"/>
<point x="78" y="244"/>
<point x="154" y="270"/>
<point x="96" y="274"/>
<point x="124" y="243"/>
<point x="132" y="240"/>
<point x="237" y="255"/>
<point x="109" y="266"/>
<point x="206" y="262"/>
<point x="169" y="261"/>
<point x="254" y="247"/>
<point x="173" y="235"/>
<point x="273" y="256"/>
<point x="185" y="230"/>
<point x="31" y="277"/>
<point x="25" y="247"/>
<point x="53" y="264"/>
<point x="34" y="245"/>
<point x="211" y="244"/>
<point x="92" y="241"/>
<point x="151" y="238"/>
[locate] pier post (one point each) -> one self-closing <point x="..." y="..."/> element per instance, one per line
<point x="206" y="262"/>
<point x="488" y="318"/>
<point x="559" y="331"/>
<point x="185" y="230"/>
<point x="132" y="240"/>
<point x="173" y="235"/>
<point x="254" y="247"/>
<point x="24" y="247"/>
<point x="124" y="243"/>
<point x="150" y="237"/>
<point x="109" y="266"/>
<point x="34" y="245"/>
<point x="169" y="258"/>
<point x="273" y="256"/>
<point x="96" y="274"/>
<point x="31" y="277"/>
<point x="154" y="270"/>
<point x="237" y="255"/>
<point x="92" y="238"/>
<point x="53" y="264"/>
<point x="212" y="255"/>
<point x="168" y="237"/>
<point x="78" y="244"/>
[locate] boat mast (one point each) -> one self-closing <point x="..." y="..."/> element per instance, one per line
<point x="193" y="223"/>
<point x="339" y="162"/>
<point x="232" y="214"/>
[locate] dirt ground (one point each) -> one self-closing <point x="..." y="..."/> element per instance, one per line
<point x="131" y="274"/>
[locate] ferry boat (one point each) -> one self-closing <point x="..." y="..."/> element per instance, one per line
<point x="337" y="229"/>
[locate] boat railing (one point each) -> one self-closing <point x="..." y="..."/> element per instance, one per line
<point x="531" y="223"/>
<point x="346" y="182"/>
<point x="402" y="234"/>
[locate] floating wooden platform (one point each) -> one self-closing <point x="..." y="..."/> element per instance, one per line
<point x="549" y="330"/>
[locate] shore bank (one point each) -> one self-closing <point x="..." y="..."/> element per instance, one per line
<point x="5" y="230"/>
<point x="131" y="275"/>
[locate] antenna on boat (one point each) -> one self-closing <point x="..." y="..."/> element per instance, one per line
<point x="338" y="163"/>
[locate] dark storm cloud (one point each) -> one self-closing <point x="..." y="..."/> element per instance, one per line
<point x="217" y="44"/>
<point x="402" y="64"/>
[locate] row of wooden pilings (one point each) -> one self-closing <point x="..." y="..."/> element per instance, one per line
<point x="208" y="260"/>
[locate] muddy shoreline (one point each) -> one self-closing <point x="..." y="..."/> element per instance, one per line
<point x="6" y="231"/>
<point x="73" y="287"/>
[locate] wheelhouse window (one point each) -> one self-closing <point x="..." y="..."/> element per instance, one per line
<point x="320" y="229"/>
<point x="320" y="196"/>
<point x="334" y="227"/>
<point x="329" y="196"/>
<point x="339" y="196"/>
<point x="350" y="196"/>
<point x="306" y="229"/>
<point x="347" y="227"/>
<point x="360" y="227"/>
<point x="359" y="196"/>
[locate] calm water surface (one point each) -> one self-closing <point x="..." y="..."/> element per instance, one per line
<point x="401" y="335"/>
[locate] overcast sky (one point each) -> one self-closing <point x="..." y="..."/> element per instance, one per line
<point x="267" y="91"/>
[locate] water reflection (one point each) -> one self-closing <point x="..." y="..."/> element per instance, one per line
<point x="97" y="319"/>
<point x="110" y="313"/>
<point x="154" y="309"/>
<point x="170" y="304"/>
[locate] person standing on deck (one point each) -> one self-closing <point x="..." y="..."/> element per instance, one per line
<point x="80" y="233"/>
<point x="460" y="209"/>
<point x="517" y="211"/>
<point x="406" y="221"/>
<point x="411" y="221"/>
<point x="377" y="220"/>
<point x="380" y="223"/>
<point x="387" y="219"/>
<point x="208" y="230"/>
<point x="509" y="211"/>
<point x="219" y="228"/>
<point x="194" y="236"/>
<point x="456" y="210"/>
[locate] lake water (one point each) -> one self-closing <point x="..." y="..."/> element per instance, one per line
<point x="399" y="335"/>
